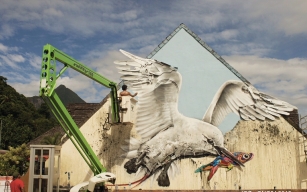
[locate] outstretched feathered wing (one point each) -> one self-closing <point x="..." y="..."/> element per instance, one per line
<point x="244" y="100"/>
<point x="158" y="86"/>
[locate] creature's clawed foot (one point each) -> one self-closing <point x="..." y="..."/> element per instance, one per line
<point x="163" y="179"/>
<point x="131" y="166"/>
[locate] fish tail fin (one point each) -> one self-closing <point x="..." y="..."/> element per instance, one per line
<point x="212" y="172"/>
<point x="230" y="167"/>
<point x="203" y="168"/>
<point x="200" y="169"/>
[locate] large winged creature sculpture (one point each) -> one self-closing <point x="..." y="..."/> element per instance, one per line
<point x="167" y="135"/>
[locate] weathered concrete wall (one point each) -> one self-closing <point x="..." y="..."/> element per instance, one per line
<point x="279" y="157"/>
<point x="105" y="140"/>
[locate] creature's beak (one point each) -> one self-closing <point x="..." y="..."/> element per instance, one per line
<point x="223" y="150"/>
<point x="228" y="154"/>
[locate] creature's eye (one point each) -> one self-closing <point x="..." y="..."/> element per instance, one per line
<point x="246" y="156"/>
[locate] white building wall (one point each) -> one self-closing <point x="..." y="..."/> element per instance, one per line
<point x="279" y="157"/>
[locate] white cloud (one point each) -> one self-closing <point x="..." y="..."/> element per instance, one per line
<point x="103" y="63"/>
<point x="139" y="28"/>
<point x="87" y="89"/>
<point x="288" y="17"/>
<point x="220" y="20"/>
<point x="8" y="61"/>
<point x="52" y="12"/>
<point x="3" y="48"/>
<point x="27" y="89"/>
<point x="12" y="60"/>
<point x="228" y="34"/>
<point x="34" y="60"/>
<point x="77" y="83"/>
<point x="16" y="58"/>
<point x="79" y="18"/>
<point x="88" y="18"/>
<point x="28" y="84"/>
<point x="284" y="79"/>
<point x="125" y="16"/>
<point x="6" y="31"/>
<point x="23" y="64"/>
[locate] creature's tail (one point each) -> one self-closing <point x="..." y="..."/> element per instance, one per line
<point x="137" y="182"/>
<point x="212" y="172"/>
<point x="208" y="167"/>
<point x="200" y="169"/>
<point x="203" y="168"/>
<point x="140" y="181"/>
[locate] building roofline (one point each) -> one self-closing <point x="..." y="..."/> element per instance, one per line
<point x="202" y="43"/>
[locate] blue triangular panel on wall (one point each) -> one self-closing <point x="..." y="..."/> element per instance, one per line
<point x="203" y="72"/>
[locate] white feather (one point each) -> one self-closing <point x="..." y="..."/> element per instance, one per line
<point x="130" y="154"/>
<point x="238" y="96"/>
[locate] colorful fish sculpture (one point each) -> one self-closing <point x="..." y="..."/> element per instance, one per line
<point x="224" y="162"/>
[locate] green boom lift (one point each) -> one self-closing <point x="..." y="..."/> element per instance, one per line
<point x="47" y="86"/>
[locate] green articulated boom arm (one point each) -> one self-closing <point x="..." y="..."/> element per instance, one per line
<point x="47" y="86"/>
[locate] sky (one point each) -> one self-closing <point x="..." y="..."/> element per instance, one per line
<point x="266" y="41"/>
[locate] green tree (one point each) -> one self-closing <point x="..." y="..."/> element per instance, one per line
<point x="16" y="159"/>
<point x="21" y="121"/>
<point x="44" y="110"/>
<point x="52" y="140"/>
<point x="13" y="133"/>
<point x="3" y="98"/>
<point x="2" y="79"/>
